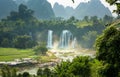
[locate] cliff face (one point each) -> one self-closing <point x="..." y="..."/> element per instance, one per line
<point x="42" y="9"/>
<point x="6" y="6"/>
<point x="60" y="11"/>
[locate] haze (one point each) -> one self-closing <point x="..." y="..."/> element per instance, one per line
<point x="74" y="5"/>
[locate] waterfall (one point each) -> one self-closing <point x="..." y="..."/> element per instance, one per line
<point x="49" y="40"/>
<point x="65" y="38"/>
<point x="74" y="42"/>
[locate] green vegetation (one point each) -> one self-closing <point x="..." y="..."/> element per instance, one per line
<point x="21" y="30"/>
<point x="45" y="59"/>
<point x="82" y="24"/>
<point x="10" y="54"/>
<point x="108" y="47"/>
<point x="40" y="50"/>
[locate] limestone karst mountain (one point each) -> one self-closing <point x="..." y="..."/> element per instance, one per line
<point x="42" y="8"/>
<point x="91" y="8"/>
<point x="6" y="6"/>
<point x="60" y="11"/>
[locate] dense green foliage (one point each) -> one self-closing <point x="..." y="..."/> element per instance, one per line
<point x="8" y="72"/>
<point x="24" y="41"/>
<point x="22" y="30"/>
<point x="79" y="67"/>
<point x="108" y="47"/>
<point x="40" y="50"/>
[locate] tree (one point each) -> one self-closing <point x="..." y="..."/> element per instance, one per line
<point x="47" y="72"/>
<point x="61" y="69"/>
<point x="23" y="14"/>
<point x="8" y="72"/>
<point x="40" y="49"/>
<point x="24" y="41"/>
<point x="26" y="74"/>
<point x="86" y="18"/>
<point x="107" y="70"/>
<point x="116" y="3"/>
<point x="5" y="42"/>
<point x="94" y="19"/>
<point x="79" y="67"/>
<point x="40" y="72"/>
<point x="107" y="46"/>
<point x="89" y="39"/>
<point x="107" y="19"/>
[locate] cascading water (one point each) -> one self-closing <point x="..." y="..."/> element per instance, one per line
<point x="65" y="39"/>
<point x="49" y="40"/>
<point x="74" y="42"/>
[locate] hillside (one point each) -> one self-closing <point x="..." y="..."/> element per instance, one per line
<point x="92" y="8"/>
<point x="42" y="9"/>
<point x="59" y="10"/>
<point x="6" y="6"/>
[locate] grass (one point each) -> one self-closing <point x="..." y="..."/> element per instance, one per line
<point x="9" y="54"/>
<point x="82" y="24"/>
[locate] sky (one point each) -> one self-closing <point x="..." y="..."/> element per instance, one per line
<point x="74" y="5"/>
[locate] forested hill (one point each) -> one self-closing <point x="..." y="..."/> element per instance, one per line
<point x="42" y="8"/>
<point x="92" y="8"/>
<point x="6" y="6"/>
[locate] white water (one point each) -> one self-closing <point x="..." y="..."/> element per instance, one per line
<point x="50" y="38"/>
<point x="65" y="39"/>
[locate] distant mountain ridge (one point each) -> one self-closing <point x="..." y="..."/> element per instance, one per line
<point x="43" y="9"/>
<point x="92" y="8"/>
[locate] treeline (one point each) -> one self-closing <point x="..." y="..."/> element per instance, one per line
<point x="22" y="30"/>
